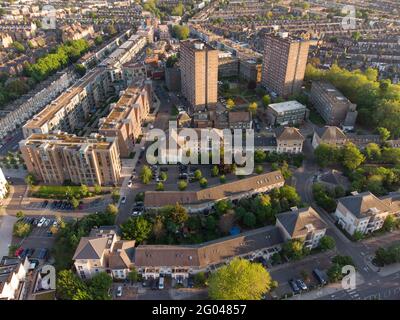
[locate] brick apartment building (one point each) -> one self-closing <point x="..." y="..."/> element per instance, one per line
<point x="126" y="117"/>
<point x="54" y="158"/>
<point x="199" y="74"/>
<point x="284" y="63"/>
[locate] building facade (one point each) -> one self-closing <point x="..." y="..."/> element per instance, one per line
<point x="289" y="140"/>
<point x="284" y="63"/>
<point x="330" y="103"/>
<point x="283" y="113"/>
<point x="54" y="158"/>
<point x="124" y="122"/>
<point x="199" y="74"/>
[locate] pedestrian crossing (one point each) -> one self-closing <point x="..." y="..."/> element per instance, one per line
<point x="353" y="294"/>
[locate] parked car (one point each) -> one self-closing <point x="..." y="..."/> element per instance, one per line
<point x="300" y="283"/>
<point x="139" y="204"/>
<point x="319" y="275"/>
<point x="47" y="222"/>
<point x="294" y="286"/>
<point x="161" y="283"/>
<point x="41" y="222"/>
<point x="129" y="183"/>
<point x="190" y="282"/>
<point x="19" y="251"/>
<point x="123" y="200"/>
<point x="119" y="291"/>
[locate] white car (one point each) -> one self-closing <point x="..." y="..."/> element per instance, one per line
<point x="136" y="213"/>
<point x="130" y="183"/>
<point x="123" y="200"/>
<point x="119" y="291"/>
<point x="47" y="222"/>
<point x="41" y="222"/>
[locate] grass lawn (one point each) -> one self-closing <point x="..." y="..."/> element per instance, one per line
<point x="316" y="118"/>
<point x="56" y="192"/>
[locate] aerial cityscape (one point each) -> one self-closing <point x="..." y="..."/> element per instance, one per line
<point x="200" y="150"/>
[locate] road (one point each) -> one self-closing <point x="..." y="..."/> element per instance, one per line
<point x="12" y="143"/>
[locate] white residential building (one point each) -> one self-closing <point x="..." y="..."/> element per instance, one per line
<point x="12" y="275"/>
<point x="364" y="212"/>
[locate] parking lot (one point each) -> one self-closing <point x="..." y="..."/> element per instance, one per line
<point x="302" y="270"/>
<point x="65" y="205"/>
<point x="41" y="239"/>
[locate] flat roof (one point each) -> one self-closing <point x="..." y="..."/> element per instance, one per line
<point x="287" y="106"/>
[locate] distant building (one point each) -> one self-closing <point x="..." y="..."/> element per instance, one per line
<point x="173" y="78"/>
<point x="302" y="224"/>
<point x="284" y="63"/>
<point x="289" y="140"/>
<point x="199" y="74"/>
<point x="250" y="70"/>
<point x="54" y="158"/>
<point x="289" y="112"/>
<point x="330" y="103"/>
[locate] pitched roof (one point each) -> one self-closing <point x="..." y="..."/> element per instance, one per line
<point x="335" y="177"/>
<point x="239" y="116"/>
<point x="90" y="248"/>
<point x="364" y="204"/>
<point x="162" y="198"/>
<point x="393" y="201"/>
<point x="288" y="133"/>
<point x="207" y="253"/>
<point x="122" y="255"/>
<point x="330" y="133"/>
<point x="297" y="223"/>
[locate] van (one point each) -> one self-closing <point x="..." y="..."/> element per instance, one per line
<point x="161" y="283"/>
<point x="319" y="276"/>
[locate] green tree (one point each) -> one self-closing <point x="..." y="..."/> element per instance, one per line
<point x="384" y="133"/>
<point x="253" y="107"/>
<point x="230" y="104"/>
<point x="239" y="280"/>
<point x="137" y="229"/>
<point x="21" y="229"/>
<point x="178" y="214"/>
<point x="373" y="152"/>
<point x="325" y="154"/>
<point x="223" y="206"/>
<point x="133" y="276"/>
<point x="200" y="280"/>
<point x="182" y="185"/>
<point x="20" y="215"/>
<point x="115" y="195"/>
<point x="259" y="169"/>
<point x="293" y="249"/>
<point x="163" y="176"/>
<point x="178" y="10"/>
<point x="30" y="180"/>
<point x="249" y="219"/>
<point x="97" y="189"/>
<point x="352" y="158"/>
<point x="160" y="186"/>
<point x="358" y="235"/>
<point x="146" y="174"/>
<point x="180" y="32"/>
<point x="100" y="285"/>
<point x="80" y="69"/>
<point x="98" y="40"/>
<point x="327" y="243"/>
<point x="197" y="174"/>
<point x="84" y="190"/>
<point x="259" y="156"/>
<point x="356" y="35"/>
<point x="74" y="202"/>
<point x="203" y="182"/>
<point x="112" y="209"/>
<point x="214" y="171"/>
<point x="266" y="100"/>
<point x="70" y="287"/>
<point x="390" y="223"/>
<point x="222" y="178"/>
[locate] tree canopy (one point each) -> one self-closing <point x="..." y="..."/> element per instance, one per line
<point x="239" y="280"/>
